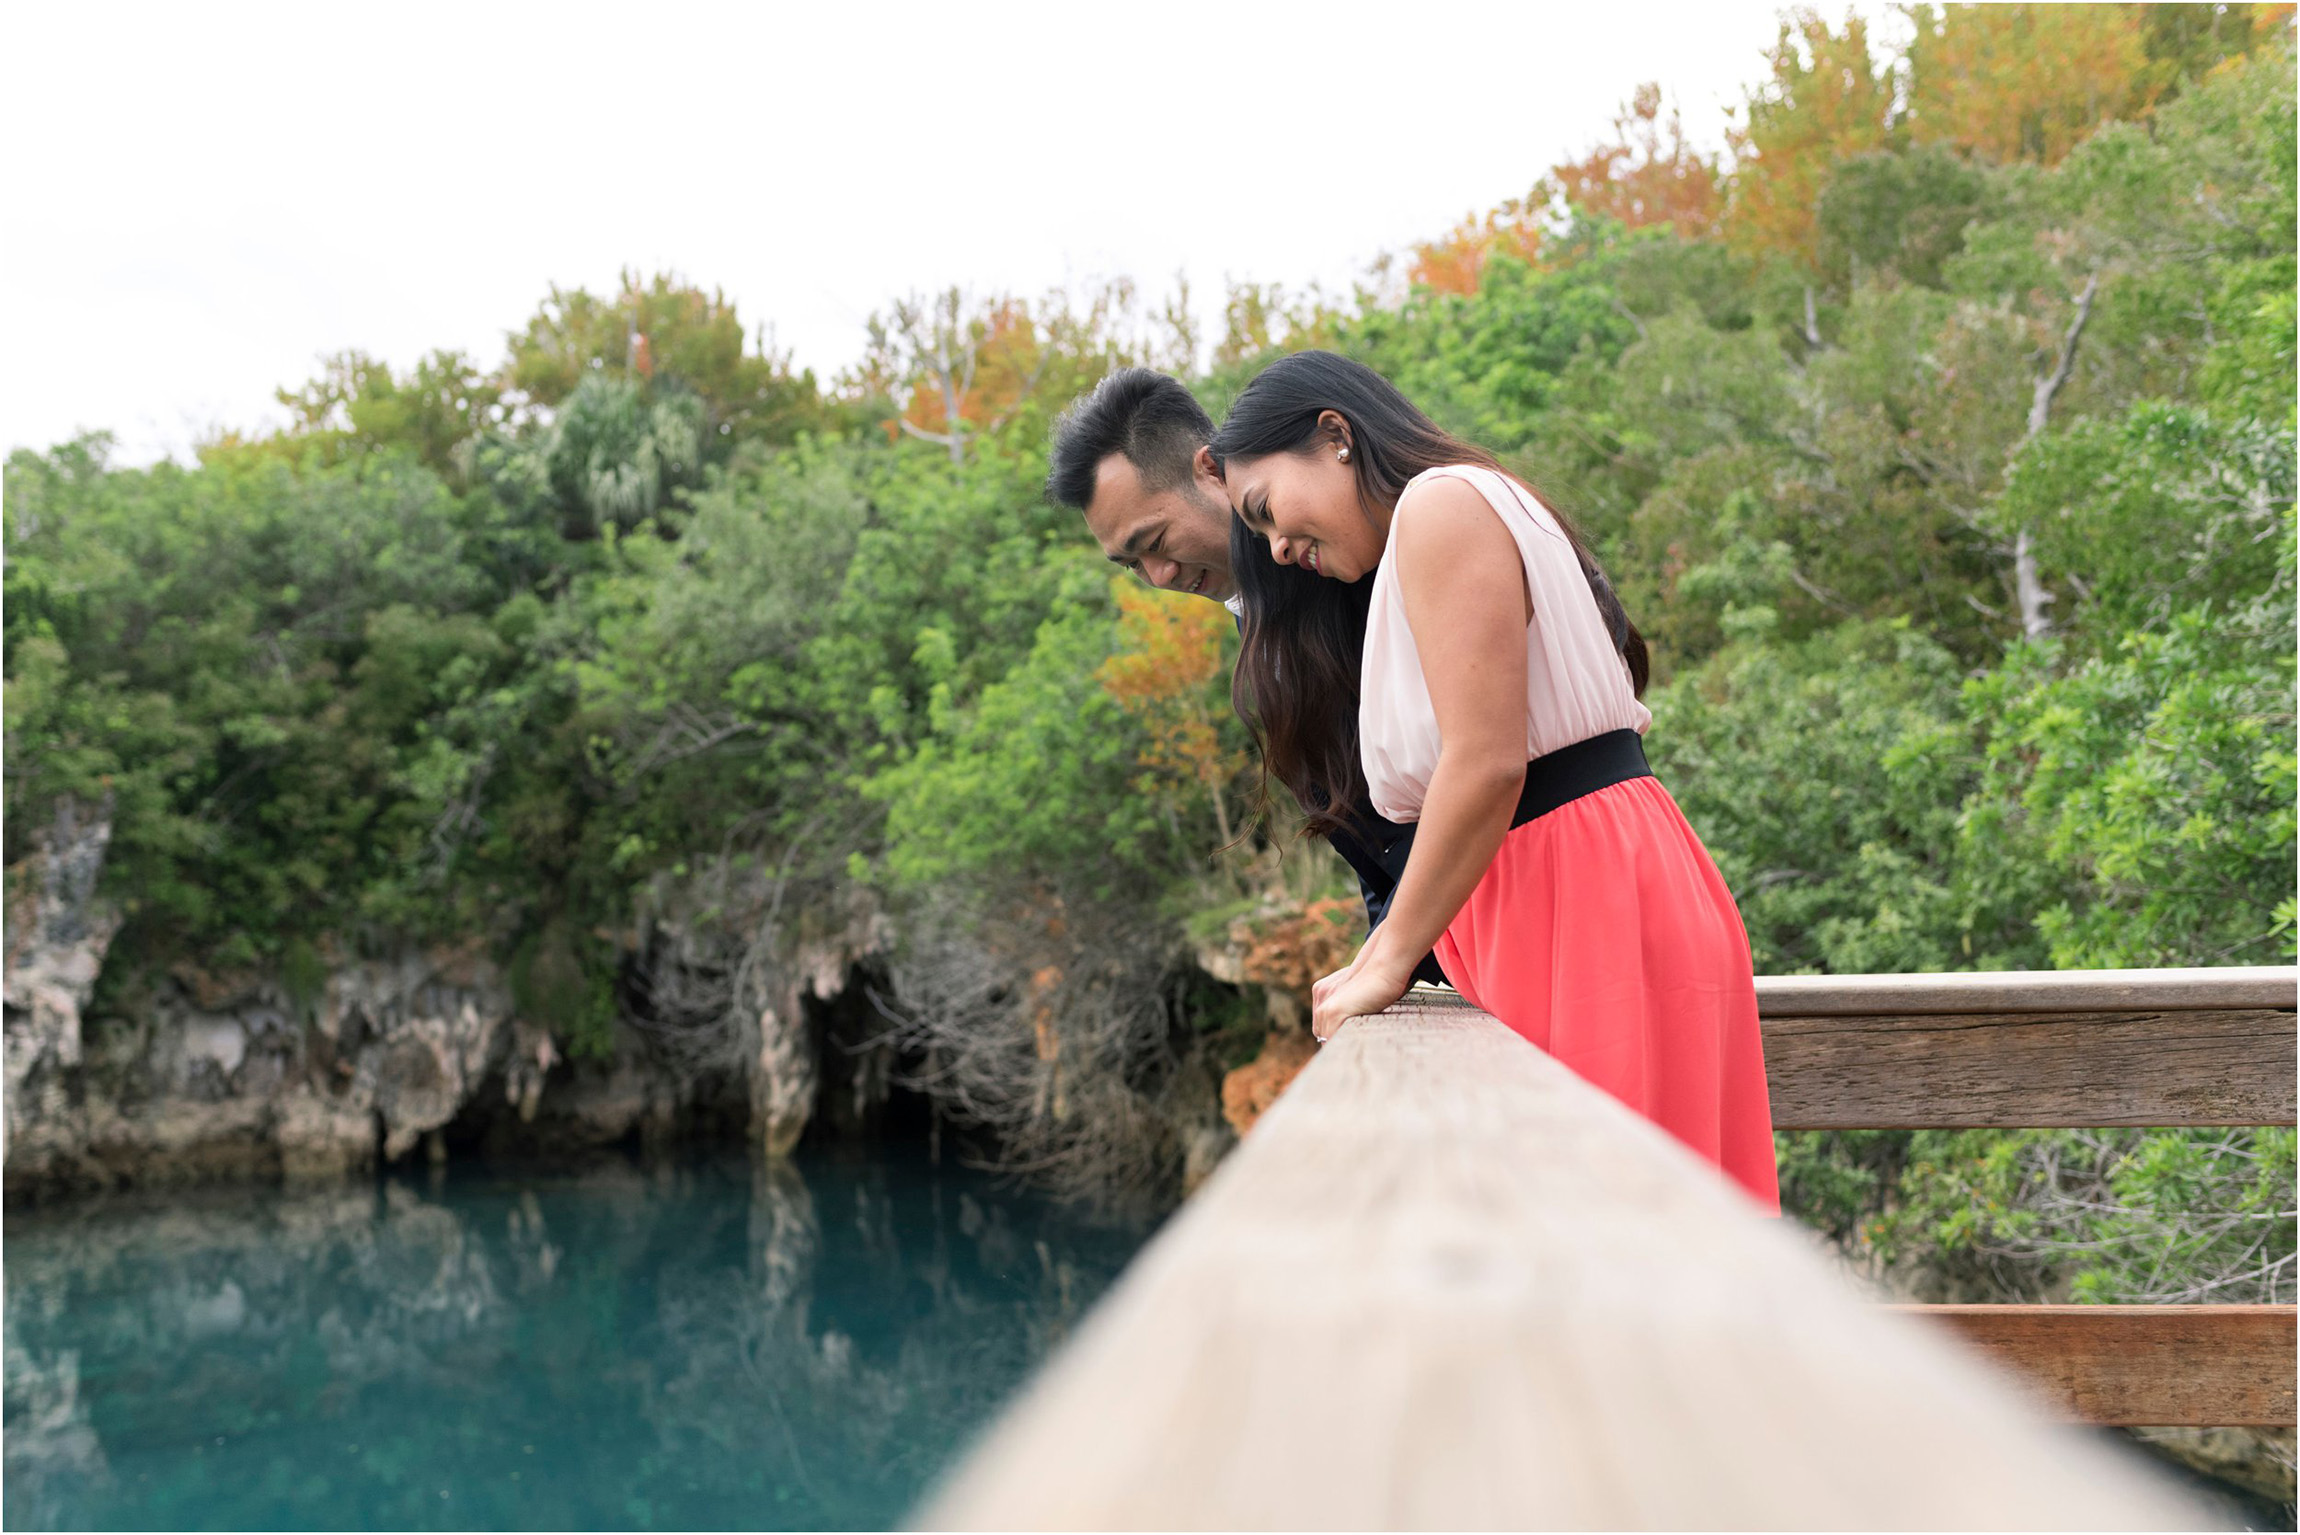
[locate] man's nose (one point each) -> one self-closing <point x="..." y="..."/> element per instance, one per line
<point x="1162" y="573"/>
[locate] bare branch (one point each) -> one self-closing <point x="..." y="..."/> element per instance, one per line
<point x="2028" y="584"/>
<point x="2048" y="388"/>
<point x="939" y="439"/>
<point x="1821" y="594"/>
<point x="1624" y="311"/>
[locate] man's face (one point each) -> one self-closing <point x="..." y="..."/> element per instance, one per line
<point x="1178" y="539"/>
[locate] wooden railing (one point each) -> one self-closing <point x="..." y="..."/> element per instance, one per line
<point x="2030" y="1049"/>
<point x="2074" y="1048"/>
<point x="1447" y="1283"/>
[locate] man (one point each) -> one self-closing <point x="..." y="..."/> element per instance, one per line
<point x="1132" y="456"/>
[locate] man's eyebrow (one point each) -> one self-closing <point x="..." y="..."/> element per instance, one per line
<point x="1128" y="551"/>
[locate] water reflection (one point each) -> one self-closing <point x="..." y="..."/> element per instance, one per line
<point x="706" y="1346"/>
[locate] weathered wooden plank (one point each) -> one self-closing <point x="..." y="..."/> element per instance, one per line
<point x="2198" y="1366"/>
<point x="2030" y="991"/>
<point x="2216" y="1066"/>
<point x="2091" y="1068"/>
<point x="1447" y="1284"/>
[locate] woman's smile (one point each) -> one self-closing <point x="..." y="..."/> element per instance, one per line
<point x="1303" y="553"/>
<point x="1307" y="510"/>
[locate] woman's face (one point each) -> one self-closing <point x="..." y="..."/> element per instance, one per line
<point x="1306" y="507"/>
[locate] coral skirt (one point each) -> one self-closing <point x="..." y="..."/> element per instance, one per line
<point x="1604" y="934"/>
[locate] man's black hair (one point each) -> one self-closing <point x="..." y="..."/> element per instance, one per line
<point x="1139" y="412"/>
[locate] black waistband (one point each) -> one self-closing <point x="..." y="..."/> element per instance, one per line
<point x="1551" y="781"/>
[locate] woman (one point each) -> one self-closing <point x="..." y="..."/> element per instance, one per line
<point x="1423" y="628"/>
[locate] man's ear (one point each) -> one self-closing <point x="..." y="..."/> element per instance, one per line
<point x="1202" y="465"/>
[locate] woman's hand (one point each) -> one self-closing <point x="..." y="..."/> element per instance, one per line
<point x="1366" y="985"/>
<point x="1325" y="985"/>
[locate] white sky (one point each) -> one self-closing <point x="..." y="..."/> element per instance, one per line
<point x="202" y="199"/>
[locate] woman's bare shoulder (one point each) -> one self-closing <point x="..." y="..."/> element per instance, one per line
<point x="1456" y="560"/>
<point x="1445" y="510"/>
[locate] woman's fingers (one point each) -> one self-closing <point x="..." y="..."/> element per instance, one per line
<point x="1354" y="995"/>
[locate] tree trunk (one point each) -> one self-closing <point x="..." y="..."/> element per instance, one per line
<point x="2035" y="623"/>
<point x="2035" y="597"/>
<point x="951" y="423"/>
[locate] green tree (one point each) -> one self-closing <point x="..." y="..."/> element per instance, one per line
<point x="666" y="332"/>
<point x="357" y="403"/>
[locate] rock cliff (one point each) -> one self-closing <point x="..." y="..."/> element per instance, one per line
<point x="209" y="1075"/>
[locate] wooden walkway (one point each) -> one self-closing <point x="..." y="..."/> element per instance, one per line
<point x="1446" y="1284"/>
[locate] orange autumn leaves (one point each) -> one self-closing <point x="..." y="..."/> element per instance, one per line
<point x="1005" y="356"/>
<point x="2029" y="82"/>
<point x="1827" y="101"/>
<point x="1648" y="175"/>
<point x="1170" y="652"/>
<point x="1456" y="263"/>
<point x="1998" y="83"/>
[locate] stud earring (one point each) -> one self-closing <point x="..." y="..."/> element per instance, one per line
<point x="1343" y="454"/>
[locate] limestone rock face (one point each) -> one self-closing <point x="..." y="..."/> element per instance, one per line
<point x="226" y="1074"/>
<point x="427" y="1032"/>
<point x="58" y="932"/>
<point x="204" y="1073"/>
<point x="603" y="1103"/>
<point x="532" y="1057"/>
<point x="229" y="1076"/>
<point x="822" y="952"/>
<point x="320" y="1138"/>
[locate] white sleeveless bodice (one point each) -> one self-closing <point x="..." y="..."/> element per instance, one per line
<point x="1577" y="684"/>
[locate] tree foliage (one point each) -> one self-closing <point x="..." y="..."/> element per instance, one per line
<point x="2001" y="323"/>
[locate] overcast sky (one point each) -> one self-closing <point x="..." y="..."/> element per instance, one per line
<point x="201" y="200"/>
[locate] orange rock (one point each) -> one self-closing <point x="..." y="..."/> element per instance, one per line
<point x="1248" y="1092"/>
<point x="1292" y="951"/>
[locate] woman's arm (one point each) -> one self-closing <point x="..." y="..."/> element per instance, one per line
<point x="1463" y="581"/>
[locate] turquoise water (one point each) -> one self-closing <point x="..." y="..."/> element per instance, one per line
<point x="700" y="1347"/>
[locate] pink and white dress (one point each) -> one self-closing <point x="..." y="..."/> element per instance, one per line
<point x="1602" y="931"/>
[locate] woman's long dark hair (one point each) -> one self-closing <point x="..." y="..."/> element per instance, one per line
<point x="1296" y="686"/>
